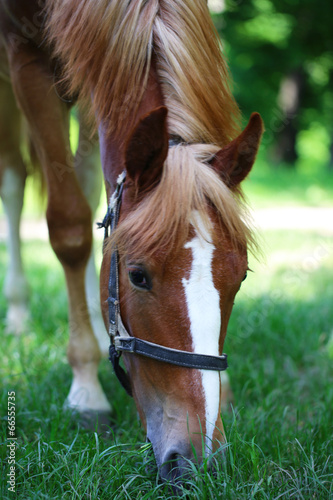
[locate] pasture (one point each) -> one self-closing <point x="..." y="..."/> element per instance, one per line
<point x="280" y="348"/>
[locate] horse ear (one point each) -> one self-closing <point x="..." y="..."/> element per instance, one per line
<point x="234" y="161"/>
<point x="147" y="148"/>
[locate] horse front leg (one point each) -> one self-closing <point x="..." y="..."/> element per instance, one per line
<point x="89" y="173"/>
<point x="68" y="218"/>
<point x="12" y="183"/>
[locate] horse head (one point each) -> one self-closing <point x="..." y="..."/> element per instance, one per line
<point x="182" y="257"/>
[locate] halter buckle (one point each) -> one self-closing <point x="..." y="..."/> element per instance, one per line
<point x="125" y="344"/>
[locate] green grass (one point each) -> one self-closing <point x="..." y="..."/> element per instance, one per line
<point x="281" y="367"/>
<point x="309" y="184"/>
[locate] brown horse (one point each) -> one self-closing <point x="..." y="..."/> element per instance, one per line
<point x="152" y="73"/>
<point x="13" y="174"/>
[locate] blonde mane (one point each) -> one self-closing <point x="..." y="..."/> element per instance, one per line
<point x="164" y="216"/>
<point x="108" y="48"/>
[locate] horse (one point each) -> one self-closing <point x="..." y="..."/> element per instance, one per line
<point x="173" y="157"/>
<point x="14" y="170"/>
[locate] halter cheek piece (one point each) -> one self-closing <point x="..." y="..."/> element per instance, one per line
<point x="121" y="340"/>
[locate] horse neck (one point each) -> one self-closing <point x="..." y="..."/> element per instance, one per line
<point x="113" y="148"/>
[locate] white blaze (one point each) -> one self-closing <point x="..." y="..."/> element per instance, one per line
<point x="203" y="304"/>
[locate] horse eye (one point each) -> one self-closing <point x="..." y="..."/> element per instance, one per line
<point x="245" y="276"/>
<point x="139" y="278"/>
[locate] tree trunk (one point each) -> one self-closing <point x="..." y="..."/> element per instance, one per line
<point x="289" y="102"/>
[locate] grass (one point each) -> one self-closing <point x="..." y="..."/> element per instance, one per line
<point x="281" y="367"/>
<point x="310" y="183"/>
<point x="280" y="347"/>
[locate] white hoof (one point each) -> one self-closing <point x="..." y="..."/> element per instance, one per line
<point x="86" y="392"/>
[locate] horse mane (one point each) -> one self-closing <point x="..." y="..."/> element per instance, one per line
<point x="188" y="186"/>
<point x="108" y="48"/>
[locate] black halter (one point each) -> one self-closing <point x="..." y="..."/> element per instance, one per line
<point x="121" y="340"/>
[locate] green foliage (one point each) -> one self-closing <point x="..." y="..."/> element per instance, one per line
<point x="279" y="433"/>
<point x="266" y="41"/>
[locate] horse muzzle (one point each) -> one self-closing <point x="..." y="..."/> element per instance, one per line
<point x="175" y="451"/>
<point x="175" y="466"/>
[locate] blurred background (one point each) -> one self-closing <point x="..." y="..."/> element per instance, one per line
<point x="280" y="55"/>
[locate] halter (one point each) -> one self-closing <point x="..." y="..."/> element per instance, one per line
<point x="120" y="339"/>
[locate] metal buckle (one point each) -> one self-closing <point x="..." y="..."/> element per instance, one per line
<point x="125" y="344"/>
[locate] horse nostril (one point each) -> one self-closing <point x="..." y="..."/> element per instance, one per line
<point x="174" y="466"/>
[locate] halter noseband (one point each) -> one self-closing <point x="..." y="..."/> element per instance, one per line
<point x="120" y="339"/>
